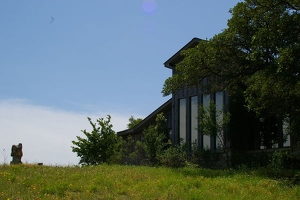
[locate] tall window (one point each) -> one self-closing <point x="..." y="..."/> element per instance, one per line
<point x="206" y="138"/>
<point x="194" y="119"/>
<point x="182" y="119"/>
<point x="219" y="120"/>
<point x="287" y="140"/>
<point x="286" y="136"/>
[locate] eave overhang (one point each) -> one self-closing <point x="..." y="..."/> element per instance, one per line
<point x="170" y="63"/>
<point x="147" y="121"/>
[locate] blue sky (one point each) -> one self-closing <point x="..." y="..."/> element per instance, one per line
<point x="62" y="61"/>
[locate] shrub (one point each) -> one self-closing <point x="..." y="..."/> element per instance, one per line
<point x="199" y="156"/>
<point x="155" y="139"/>
<point x="133" y="152"/>
<point x="279" y="160"/>
<point x="99" y="145"/>
<point x="174" y="156"/>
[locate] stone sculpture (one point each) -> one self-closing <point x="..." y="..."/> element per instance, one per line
<point x="16" y="153"/>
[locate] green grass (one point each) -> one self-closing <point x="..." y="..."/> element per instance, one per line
<point x="130" y="182"/>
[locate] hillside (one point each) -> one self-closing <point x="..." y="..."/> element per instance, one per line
<point x="130" y="182"/>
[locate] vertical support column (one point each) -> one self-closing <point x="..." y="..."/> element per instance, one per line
<point x="175" y="132"/>
<point x="188" y="124"/>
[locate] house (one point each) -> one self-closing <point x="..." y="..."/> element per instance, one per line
<point x="245" y="132"/>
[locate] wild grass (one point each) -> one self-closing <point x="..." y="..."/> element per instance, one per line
<point x="132" y="182"/>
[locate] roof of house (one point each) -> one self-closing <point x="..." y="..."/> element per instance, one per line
<point x="177" y="56"/>
<point x="147" y="121"/>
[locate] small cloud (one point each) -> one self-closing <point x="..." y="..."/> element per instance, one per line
<point x="51" y="20"/>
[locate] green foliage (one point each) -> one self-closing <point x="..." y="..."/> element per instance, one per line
<point x="154" y="148"/>
<point x="250" y="159"/>
<point x="174" y="156"/>
<point x="275" y="162"/>
<point x="257" y="53"/>
<point x="155" y="138"/>
<point x="128" y="148"/>
<point x="207" y="120"/>
<point x="133" y="152"/>
<point x="116" y="154"/>
<point x="140" y="154"/>
<point x="133" y="122"/>
<point x="280" y="160"/>
<point x="99" y="145"/>
<point x="200" y="156"/>
<point x="213" y="122"/>
<point x="269" y="133"/>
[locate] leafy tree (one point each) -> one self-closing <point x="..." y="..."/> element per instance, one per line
<point x="133" y="122"/>
<point x="155" y="138"/>
<point x="100" y="144"/>
<point x="213" y="122"/>
<point x="257" y="53"/>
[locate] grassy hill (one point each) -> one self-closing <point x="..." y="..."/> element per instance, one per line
<point x="130" y="182"/>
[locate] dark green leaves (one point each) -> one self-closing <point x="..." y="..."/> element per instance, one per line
<point x="257" y="53"/>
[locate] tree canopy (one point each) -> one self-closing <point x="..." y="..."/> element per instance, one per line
<point x="133" y="122"/>
<point x="99" y="145"/>
<point x="258" y="54"/>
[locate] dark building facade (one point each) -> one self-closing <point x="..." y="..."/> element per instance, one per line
<point x="185" y="106"/>
<point x="245" y="131"/>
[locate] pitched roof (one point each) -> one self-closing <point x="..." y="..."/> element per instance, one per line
<point x="177" y="57"/>
<point x="147" y="121"/>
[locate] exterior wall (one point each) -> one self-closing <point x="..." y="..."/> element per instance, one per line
<point x="242" y="138"/>
<point x="244" y="133"/>
<point x="184" y="95"/>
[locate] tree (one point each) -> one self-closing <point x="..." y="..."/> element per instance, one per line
<point x="212" y="122"/>
<point x="155" y="138"/>
<point x="133" y="122"/>
<point x="258" y="54"/>
<point x="99" y="145"/>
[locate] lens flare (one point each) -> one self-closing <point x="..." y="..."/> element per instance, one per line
<point x="149" y="6"/>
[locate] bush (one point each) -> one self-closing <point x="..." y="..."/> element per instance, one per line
<point x="201" y="157"/>
<point x="250" y="159"/>
<point x="128" y="148"/>
<point x="155" y="139"/>
<point x="99" y="146"/>
<point x="133" y="152"/>
<point x="280" y="160"/>
<point x="174" y="156"/>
